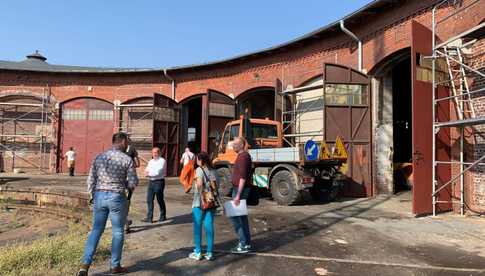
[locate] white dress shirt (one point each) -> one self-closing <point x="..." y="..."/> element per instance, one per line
<point x="71" y="155"/>
<point x="156" y="169"/>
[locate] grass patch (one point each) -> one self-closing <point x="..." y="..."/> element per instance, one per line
<point x="57" y="255"/>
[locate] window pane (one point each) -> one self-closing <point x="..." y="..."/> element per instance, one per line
<point x="226" y="136"/>
<point x="346" y="94"/>
<point x="74" y="114"/>
<point x="191" y="134"/>
<point x="234" y="131"/>
<point x="264" y="131"/>
<point x="101" y="115"/>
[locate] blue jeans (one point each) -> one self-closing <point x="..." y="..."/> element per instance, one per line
<point x="156" y="188"/>
<point x="114" y="205"/>
<point x="203" y="218"/>
<point x="241" y="223"/>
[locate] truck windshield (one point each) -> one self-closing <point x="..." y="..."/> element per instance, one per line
<point x="264" y="131"/>
<point x="234" y="131"/>
<point x="226" y="136"/>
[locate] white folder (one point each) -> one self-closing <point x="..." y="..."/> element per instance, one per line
<point x="231" y="210"/>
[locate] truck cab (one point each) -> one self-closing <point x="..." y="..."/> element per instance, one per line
<point x="265" y="134"/>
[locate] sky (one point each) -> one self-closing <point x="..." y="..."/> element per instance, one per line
<point x="157" y="33"/>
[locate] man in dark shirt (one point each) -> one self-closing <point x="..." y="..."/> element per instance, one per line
<point x="133" y="154"/>
<point x="241" y="179"/>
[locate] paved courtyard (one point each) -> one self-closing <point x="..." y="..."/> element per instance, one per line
<point x="371" y="236"/>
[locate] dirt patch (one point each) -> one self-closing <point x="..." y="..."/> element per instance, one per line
<point x="21" y="226"/>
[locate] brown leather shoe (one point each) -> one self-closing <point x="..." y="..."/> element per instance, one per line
<point x="119" y="270"/>
<point x="83" y="270"/>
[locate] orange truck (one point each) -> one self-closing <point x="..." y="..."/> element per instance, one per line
<point x="288" y="172"/>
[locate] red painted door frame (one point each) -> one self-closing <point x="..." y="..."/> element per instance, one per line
<point x="205" y="123"/>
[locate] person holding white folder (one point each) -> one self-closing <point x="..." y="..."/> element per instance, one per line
<point x="241" y="179"/>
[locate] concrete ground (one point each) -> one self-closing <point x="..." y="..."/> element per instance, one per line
<point x="373" y="236"/>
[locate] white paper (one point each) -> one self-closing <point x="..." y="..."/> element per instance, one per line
<point x="231" y="210"/>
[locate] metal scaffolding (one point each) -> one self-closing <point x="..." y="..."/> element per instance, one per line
<point x="24" y="130"/>
<point x="454" y="52"/>
<point x="294" y="116"/>
<point x="130" y="121"/>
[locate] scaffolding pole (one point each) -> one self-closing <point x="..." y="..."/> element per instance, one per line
<point x="297" y="114"/>
<point x="10" y="140"/>
<point x="463" y="103"/>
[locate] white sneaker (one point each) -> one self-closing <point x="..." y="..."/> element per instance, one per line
<point x="195" y="256"/>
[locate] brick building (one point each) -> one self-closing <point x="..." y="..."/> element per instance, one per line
<point x="63" y="106"/>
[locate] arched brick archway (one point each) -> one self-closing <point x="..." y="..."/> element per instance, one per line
<point x="260" y="102"/>
<point x="86" y="125"/>
<point x="337" y="104"/>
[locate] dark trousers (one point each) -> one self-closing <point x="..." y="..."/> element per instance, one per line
<point x="156" y="188"/>
<point x="71" y="171"/>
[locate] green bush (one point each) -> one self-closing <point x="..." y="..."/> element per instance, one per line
<point x="57" y="255"/>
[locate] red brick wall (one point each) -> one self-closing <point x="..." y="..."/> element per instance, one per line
<point x="475" y="186"/>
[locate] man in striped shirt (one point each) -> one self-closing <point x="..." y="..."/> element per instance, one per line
<point x="111" y="173"/>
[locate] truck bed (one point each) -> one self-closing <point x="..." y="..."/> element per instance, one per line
<point x="275" y="155"/>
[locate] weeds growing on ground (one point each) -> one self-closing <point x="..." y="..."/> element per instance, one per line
<point x="57" y="255"/>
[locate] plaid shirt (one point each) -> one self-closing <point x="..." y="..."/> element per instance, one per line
<point x="112" y="170"/>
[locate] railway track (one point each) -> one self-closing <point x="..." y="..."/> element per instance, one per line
<point x="64" y="204"/>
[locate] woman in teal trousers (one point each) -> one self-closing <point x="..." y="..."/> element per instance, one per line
<point x="202" y="218"/>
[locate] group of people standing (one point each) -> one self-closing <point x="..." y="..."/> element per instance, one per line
<point x="113" y="173"/>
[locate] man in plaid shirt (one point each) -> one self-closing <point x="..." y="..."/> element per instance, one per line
<point x="111" y="173"/>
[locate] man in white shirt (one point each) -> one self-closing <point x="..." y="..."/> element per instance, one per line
<point x="156" y="172"/>
<point x="71" y="160"/>
<point x="187" y="157"/>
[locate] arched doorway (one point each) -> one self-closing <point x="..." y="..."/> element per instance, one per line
<point x="87" y="126"/>
<point x="393" y="123"/>
<point x="191" y="123"/>
<point x="337" y="104"/>
<point x="260" y="103"/>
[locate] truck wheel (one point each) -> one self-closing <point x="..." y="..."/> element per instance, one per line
<point x="225" y="185"/>
<point x="333" y="193"/>
<point x="283" y="188"/>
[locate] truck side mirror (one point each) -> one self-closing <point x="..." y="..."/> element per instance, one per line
<point x="218" y="137"/>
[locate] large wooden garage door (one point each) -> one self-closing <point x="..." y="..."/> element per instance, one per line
<point x="423" y="127"/>
<point x="347" y="114"/>
<point x="86" y="125"/>
<point x="166" y="118"/>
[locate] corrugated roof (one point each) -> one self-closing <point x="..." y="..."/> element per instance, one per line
<point x="34" y="64"/>
<point x="37" y="63"/>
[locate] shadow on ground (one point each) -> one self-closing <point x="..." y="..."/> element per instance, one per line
<point x="262" y="241"/>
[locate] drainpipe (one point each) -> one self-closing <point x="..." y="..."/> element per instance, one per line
<point x="173" y="82"/>
<point x="352" y="35"/>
